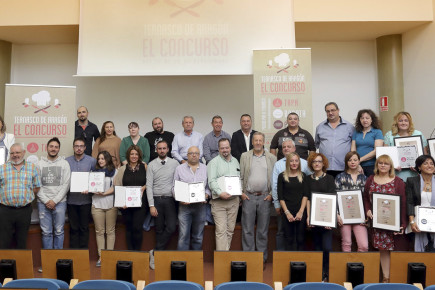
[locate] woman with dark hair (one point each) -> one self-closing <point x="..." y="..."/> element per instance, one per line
<point x="385" y="181"/>
<point x="366" y="138"/>
<point x="134" y="139"/>
<point x="293" y="192"/>
<point x="6" y="140"/>
<point x="403" y="126"/>
<point x="352" y="179"/>
<point x="108" y="141"/>
<point x="320" y="182"/>
<point x="103" y="211"/>
<point x="133" y="174"/>
<point x="420" y="190"/>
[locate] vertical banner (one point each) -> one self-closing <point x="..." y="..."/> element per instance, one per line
<point x="35" y="114"/>
<point x="282" y="84"/>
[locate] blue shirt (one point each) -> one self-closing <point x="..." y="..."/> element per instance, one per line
<point x="182" y="142"/>
<point x="278" y="168"/>
<point x="334" y="143"/>
<point x="185" y="174"/>
<point x="211" y="149"/>
<point x="366" y="144"/>
<point x="86" y="164"/>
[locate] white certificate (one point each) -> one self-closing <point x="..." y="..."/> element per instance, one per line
<point x="407" y="156"/>
<point x="230" y="184"/>
<point x="425" y="218"/>
<point x="323" y="210"/>
<point x="2" y="155"/>
<point x="129" y="196"/>
<point x="390" y="151"/>
<point x="79" y="181"/>
<point x="96" y="181"/>
<point x="189" y="192"/>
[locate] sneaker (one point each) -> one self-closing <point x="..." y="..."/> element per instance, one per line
<point x="40" y="270"/>
<point x="152" y="259"/>
<point x="98" y="263"/>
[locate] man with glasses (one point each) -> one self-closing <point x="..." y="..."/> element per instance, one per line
<point x="334" y="138"/>
<point x="191" y="216"/>
<point x="79" y="203"/>
<point x="85" y="129"/>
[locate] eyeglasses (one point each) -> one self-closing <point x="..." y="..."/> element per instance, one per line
<point x="331" y="111"/>
<point x="318" y="161"/>
<point x="192" y="153"/>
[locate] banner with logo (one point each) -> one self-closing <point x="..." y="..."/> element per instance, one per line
<point x="35" y="114"/>
<point x="282" y="84"/>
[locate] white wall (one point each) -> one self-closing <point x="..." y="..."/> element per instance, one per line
<point x="343" y="72"/>
<point x="419" y="74"/>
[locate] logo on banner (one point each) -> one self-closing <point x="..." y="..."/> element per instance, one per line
<point x="282" y="63"/>
<point x="41" y="102"/>
<point x="184" y="6"/>
<point x="384" y="104"/>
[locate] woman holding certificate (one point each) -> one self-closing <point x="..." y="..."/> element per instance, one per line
<point x="320" y="182"/>
<point x="420" y="192"/>
<point x="293" y="191"/>
<point x="366" y="138"/>
<point x="352" y="179"/>
<point x="133" y="174"/>
<point x="108" y="141"/>
<point x="384" y="181"/>
<point x="103" y="211"/>
<point x="403" y="127"/>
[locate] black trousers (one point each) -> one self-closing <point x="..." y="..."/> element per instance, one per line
<point x="79" y="216"/>
<point x="134" y="218"/>
<point x="14" y="221"/>
<point x="166" y="220"/>
<point x="294" y="233"/>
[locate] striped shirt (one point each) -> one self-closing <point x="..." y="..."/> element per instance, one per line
<point x="16" y="186"/>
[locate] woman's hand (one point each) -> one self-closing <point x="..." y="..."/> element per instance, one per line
<point x="290" y="217"/>
<point x="369" y="214"/>
<point x="415" y="228"/>
<point x="339" y="220"/>
<point x="299" y="216"/>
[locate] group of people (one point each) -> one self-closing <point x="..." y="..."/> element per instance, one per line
<point x="341" y="156"/>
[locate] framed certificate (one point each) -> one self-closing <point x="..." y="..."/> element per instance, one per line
<point x="425" y="218"/>
<point x="96" y="181"/>
<point x="2" y="155"/>
<point x="189" y="192"/>
<point x="129" y="196"/>
<point x="416" y="141"/>
<point x="386" y="211"/>
<point x="431" y="145"/>
<point x="350" y="206"/>
<point x="407" y="156"/>
<point x="390" y="151"/>
<point x="230" y="184"/>
<point x="323" y="210"/>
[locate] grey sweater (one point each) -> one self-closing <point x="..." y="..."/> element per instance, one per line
<point x="55" y="180"/>
<point x="160" y="178"/>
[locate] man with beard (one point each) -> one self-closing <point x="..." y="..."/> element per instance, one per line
<point x="158" y="135"/>
<point x="86" y="129"/>
<point x="160" y="175"/>
<point x="19" y="182"/>
<point x="55" y="179"/>
<point x="79" y="203"/>
<point x="224" y="206"/>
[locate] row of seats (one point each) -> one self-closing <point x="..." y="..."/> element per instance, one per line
<point x="53" y="284"/>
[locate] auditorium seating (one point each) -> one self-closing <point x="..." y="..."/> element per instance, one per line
<point x="386" y="286"/>
<point x="243" y="286"/>
<point x="106" y="285"/>
<point x="314" y="286"/>
<point x="49" y="284"/>
<point x="170" y="285"/>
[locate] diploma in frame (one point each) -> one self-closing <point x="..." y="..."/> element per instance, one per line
<point x="425" y="218"/>
<point x="386" y="211"/>
<point x="350" y="206"/>
<point x="410" y="141"/>
<point x="431" y="145"/>
<point x="323" y="210"/>
<point x="407" y="156"/>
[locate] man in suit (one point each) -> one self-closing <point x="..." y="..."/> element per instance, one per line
<point x="242" y="139"/>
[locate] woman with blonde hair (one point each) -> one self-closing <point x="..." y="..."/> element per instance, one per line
<point x="293" y="191"/>
<point x="403" y="126"/>
<point x="385" y="181"/>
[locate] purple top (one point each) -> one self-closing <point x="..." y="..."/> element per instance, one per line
<point x="185" y="174"/>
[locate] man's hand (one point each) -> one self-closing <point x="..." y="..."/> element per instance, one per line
<point x="268" y="198"/>
<point x="50" y="204"/>
<point x="245" y="196"/>
<point x="153" y="211"/>
<point x="225" y="195"/>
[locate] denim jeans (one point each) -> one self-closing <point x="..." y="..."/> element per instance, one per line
<point x="191" y="220"/>
<point x="52" y="222"/>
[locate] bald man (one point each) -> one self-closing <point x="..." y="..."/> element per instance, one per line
<point x="86" y="129"/>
